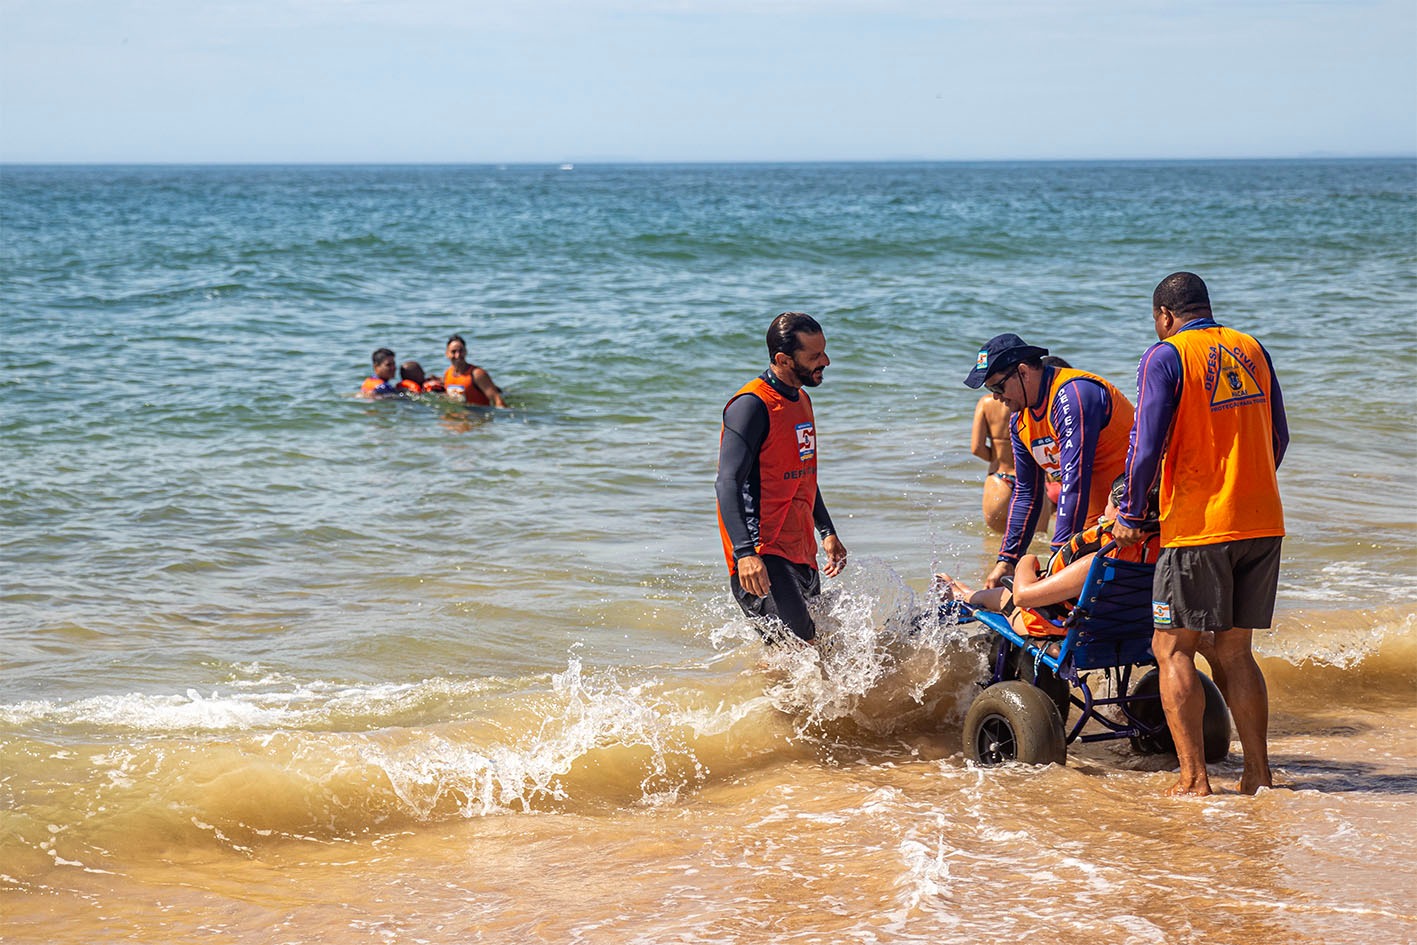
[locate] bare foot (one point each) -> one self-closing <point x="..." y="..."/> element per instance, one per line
<point x="1251" y="784"/>
<point x="1187" y="789"/>
<point x="950" y="589"/>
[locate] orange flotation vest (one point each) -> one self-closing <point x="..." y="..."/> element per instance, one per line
<point x="461" y="385"/>
<point x="787" y="478"/>
<point x="376" y="387"/>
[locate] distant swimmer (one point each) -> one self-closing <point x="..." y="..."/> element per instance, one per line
<point x="1210" y="434"/>
<point x="382" y="383"/>
<point x="768" y="501"/>
<point x="413" y="381"/>
<point x="1064" y="420"/>
<point x="468" y="382"/>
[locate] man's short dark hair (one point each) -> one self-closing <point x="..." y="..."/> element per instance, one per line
<point x="1054" y="361"/>
<point x="411" y="371"/>
<point x="381" y="355"/>
<point x="1184" y="294"/>
<point x="784" y="334"/>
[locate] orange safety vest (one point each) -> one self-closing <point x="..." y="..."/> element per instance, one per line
<point x="375" y="385"/>
<point x="787" y="478"/>
<point x="413" y="387"/>
<point x="1038" y="435"/>
<point x="1218" y="479"/>
<point x="461" y="385"/>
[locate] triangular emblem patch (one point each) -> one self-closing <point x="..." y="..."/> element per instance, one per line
<point x="1233" y="383"/>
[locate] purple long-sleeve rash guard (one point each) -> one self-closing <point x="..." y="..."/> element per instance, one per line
<point x="1079" y="411"/>
<point x="1159" y="383"/>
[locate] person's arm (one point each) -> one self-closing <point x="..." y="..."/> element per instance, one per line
<point x="1033" y="590"/>
<point x="1279" y="421"/>
<point x="745" y="428"/>
<point x="979" y="438"/>
<point x="483" y="380"/>
<point x="831" y="544"/>
<point x="1030" y="493"/>
<point x="1080" y="410"/>
<point x="1158" y="392"/>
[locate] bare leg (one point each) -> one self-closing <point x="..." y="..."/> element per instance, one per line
<point x="997" y="493"/>
<point x="1184" y="702"/>
<point x="1207" y="650"/>
<point x="1246" y="694"/>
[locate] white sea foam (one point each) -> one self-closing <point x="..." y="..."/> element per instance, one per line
<point x="247" y="706"/>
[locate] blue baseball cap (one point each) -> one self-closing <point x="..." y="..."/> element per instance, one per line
<point x="999" y="354"/>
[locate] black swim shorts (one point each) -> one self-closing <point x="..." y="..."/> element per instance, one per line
<point x="786" y="603"/>
<point x="1216" y="587"/>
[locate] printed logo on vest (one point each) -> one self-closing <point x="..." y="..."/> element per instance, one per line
<point x="1231" y="379"/>
<point x="1160" y="613"/>
<point x="806" y="441"/>
<point x="1045" y="452"/>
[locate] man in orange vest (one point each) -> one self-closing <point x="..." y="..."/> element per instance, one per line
<point x="1210" y="426"/>
<point x="768" y="502"/>
<point x="1063" y="421"/>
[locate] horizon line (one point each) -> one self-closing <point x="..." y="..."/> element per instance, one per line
<point x="623" y="162"/>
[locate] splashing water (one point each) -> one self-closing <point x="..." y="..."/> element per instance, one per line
<point x="884" y="660"/>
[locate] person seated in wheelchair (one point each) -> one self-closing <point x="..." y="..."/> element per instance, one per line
<point x="1038" y="601"/>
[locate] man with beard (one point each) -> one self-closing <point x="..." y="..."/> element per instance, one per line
<point x="768" y="502"/>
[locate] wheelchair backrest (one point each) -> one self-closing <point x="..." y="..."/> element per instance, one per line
<point x="1111" y="623"/>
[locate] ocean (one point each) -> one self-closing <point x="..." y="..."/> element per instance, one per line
<point x="278" y="664"/>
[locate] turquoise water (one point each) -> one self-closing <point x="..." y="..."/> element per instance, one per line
<point x="208" y="538"/>
<point x="183" y="454"/>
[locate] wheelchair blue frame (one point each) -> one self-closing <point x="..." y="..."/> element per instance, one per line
<point x="1110" y="630"/>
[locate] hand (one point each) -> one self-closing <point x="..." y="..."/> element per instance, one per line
<point x="836" y="555"/>
<point x="753" y="576"/>
<point x="1126" y="536"/>
<point x="996" y="577"/>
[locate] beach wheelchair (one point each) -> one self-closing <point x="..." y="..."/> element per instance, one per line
<point x="1021" y="713"/>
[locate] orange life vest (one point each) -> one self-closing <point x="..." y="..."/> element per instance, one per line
<point x="412" y="387"/>
<point x="1218" y="480"/>
<point x="1041" y="440"/>
<point x="461" y="385"/>
<point x="375" y="387"/>
<point x="787" y="478"/>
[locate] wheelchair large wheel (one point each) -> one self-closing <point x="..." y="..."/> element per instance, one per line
<point x="1215" y="724"/>
<point x="1019" y="666"/>
<point x="1014" y="721"/>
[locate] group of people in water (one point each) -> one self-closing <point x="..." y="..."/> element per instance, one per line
<point x="1186" y="478"/>
<point x="462" y="381"/>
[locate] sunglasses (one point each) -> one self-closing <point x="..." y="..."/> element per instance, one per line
<point x="999" y="387"/>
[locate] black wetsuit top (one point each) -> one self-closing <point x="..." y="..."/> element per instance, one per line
<point x="745" y="428"/>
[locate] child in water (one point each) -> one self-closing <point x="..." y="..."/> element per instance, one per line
<point x="413" y="381"/>
<point x="381" y="385"/>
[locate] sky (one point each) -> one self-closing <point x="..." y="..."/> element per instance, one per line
<point x="529" y="81"/>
